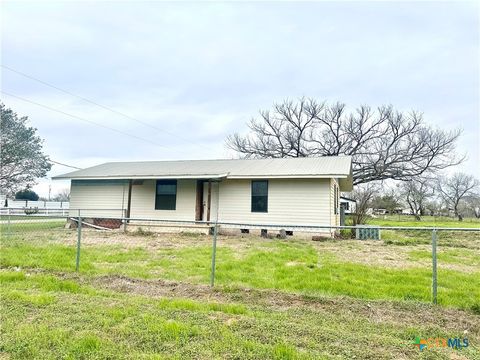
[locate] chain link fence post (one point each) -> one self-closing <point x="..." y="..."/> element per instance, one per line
<point x="214" y="254"/>
<point x="79" y="238"/>
<point x="434" y="266"/>
<point x="215" y="233"/>
<point x="8" y="222"/>
<point x="125" y="220"/>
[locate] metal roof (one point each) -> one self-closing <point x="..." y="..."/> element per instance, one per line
<point x="307" y="167"/>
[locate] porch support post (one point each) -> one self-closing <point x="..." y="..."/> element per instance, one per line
<point x="129" y="199"/>
<point x="209" y="199"/>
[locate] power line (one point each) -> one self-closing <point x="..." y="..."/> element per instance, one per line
<point x="59" y="163"/>
<point x="100" y="105"/>
<point x="82" y="119"/>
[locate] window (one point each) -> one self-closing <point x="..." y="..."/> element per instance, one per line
<point x="166" y="195"/>
<point x="260" y="196"/>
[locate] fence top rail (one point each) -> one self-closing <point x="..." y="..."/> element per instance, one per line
<point x="151" y="221"/>
<point x="300" y="226"/>
<point x="21" y="208"/>
<point x="26" y="208"/>
<point x="340" y="227"/>
<point x="99" y="210"/>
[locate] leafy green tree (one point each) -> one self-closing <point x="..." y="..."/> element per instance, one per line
<point x="21" y="158"/>
<point x="26" y="194"/>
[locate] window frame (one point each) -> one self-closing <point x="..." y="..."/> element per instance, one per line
<point x="166" y="182"/>
<point x="252" y="196"/>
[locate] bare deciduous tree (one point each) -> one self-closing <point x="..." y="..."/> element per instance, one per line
<point x="363" y="195"/>
<point x="389" y="201"/>
<point x="62" y="195"/>
<point x="455" y="188"/>
<point x="416" y="194"/>
<point x="471" y="206"/>
<point x="432" y="206"/>
<point x="384" y="143"/>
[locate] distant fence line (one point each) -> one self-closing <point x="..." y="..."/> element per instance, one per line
<point x="44" y="204"/>
<point x="92" y="213"/>
<point x="33" y="211"/>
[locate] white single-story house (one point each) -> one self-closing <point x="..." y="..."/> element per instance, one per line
<point x="348" y="204"/>
<point x="286" y="191"/>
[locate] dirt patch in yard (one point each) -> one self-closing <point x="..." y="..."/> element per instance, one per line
<point x="376" y="253"/>
<point x="368" y="252"/>
<point x="154" y="241"/>
<point x="149" y="241"/>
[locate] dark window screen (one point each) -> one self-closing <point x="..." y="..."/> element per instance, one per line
<point x="166" y="195"/>
<point x="260" y="196"/>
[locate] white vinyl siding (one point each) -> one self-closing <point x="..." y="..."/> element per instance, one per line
<point x="290" y="201"/>
<point x="107" y="200"/>
<point x="143" y="201"/>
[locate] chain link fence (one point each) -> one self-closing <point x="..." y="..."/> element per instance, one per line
<point x="436" y="264"/>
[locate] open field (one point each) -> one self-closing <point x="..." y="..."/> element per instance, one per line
<point x="143" y="295"/>
<point x="431" y="221"/>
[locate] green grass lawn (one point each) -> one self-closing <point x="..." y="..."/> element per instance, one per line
<point x="142" y="295"/>
<point x="293" y="266"/>
<point x="450" y="256"/>
<point x="30" y="225"/>
<point x="59" y="316"/>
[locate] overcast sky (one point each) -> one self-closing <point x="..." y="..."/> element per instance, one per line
<point x="197" y="72"/>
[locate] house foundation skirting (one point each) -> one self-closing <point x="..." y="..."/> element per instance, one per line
<point x="200" y="228"/>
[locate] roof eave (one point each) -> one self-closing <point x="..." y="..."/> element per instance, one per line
<point x="141" y="177"/>
<point x="346" y="184"/>
<point x="201" y="176"/>
<point x="289" y="176"/>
